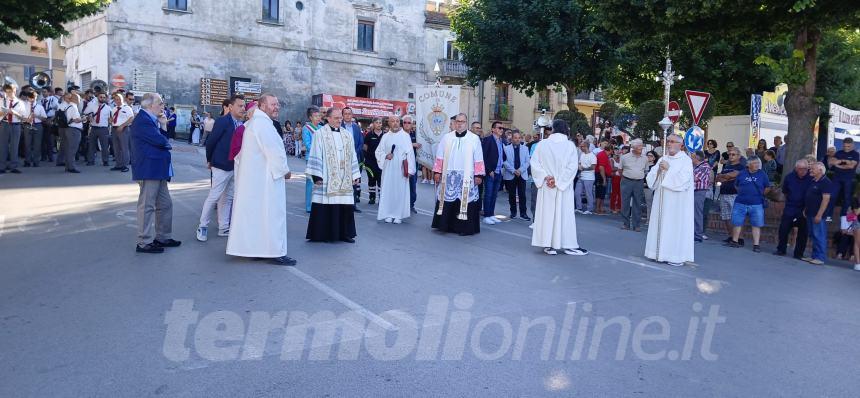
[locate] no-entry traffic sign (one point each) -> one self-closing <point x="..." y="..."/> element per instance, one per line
<point x="674" y="111"/>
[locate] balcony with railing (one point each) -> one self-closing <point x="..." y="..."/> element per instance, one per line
<point x="502" y="112"/>
<point x="453" y="68"/>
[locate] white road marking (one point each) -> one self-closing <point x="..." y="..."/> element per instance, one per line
<point x="367" y="314"/>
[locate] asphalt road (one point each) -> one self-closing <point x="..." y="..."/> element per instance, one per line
<point x="403" y="312"/>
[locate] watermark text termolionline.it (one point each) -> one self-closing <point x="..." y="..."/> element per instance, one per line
<point x="445" y="331"/>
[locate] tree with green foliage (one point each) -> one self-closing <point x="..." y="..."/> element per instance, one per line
<point x="802" y="22"/>
<point x="42" y="19"/>
<point x="650" y="113"/>
<point x="534" y="44"/>
<point x="576" y="120"/>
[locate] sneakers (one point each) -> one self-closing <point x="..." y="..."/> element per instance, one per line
<point x="757" y="248"/>
<point x="526" y="218"/>
<point x="732" y="244"/>
<point x="389" y="220"/>
<point x="495" y="219"/>
<point x="202" y="234"/>
<point x="814" y="261"/>
<point x="576" y="252"/>
<point x="856" y="267"/>
<point x="532" y="226"/>
<point x="675" y="264"/>
<point x="224" y="233"/>
<point x="397" y="221"/>
<point x="550" y="251"/>
<point x="705" y="237"/>
<point x="587" y="212"/>
<point x="490" y="221"/>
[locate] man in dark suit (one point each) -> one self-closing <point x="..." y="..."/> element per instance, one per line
<point x="152" y="169"/>
<point x="218" y="161"/>
<point x="491" y="146"/>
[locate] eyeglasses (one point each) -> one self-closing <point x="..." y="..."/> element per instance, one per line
<point x="407" y="122"/>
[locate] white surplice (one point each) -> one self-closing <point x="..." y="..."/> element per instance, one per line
<point x="394" y="197"/>
<point x="259" y="222"/>
<point x="332" y="158"/>
<point x="458" y="158"/>
<point x="671" y="224"/>
<point x="555" y="219"/>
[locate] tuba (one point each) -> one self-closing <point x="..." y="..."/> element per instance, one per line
<point x="40" y="80"/>
<point x="99" y="86"/>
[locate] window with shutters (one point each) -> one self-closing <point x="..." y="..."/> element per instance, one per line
<point x="271" y="9"/>
<point x="365" y="35"/>
<point x="178" y="5"/>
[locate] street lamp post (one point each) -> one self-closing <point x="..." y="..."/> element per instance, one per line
<point x="437" y="70"/>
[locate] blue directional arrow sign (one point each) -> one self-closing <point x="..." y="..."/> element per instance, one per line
<point x="694" y="139"/>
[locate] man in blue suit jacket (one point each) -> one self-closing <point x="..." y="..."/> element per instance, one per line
<point x="515" y="172"/>
<point x="491" y="145"/>
<point x="152" y="169"/>
<point x="218" y="161"/>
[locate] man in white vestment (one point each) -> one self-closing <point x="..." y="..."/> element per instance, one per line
<point x="395" y="148"/>
<point x="333" y="166"/>
<point x="258" y="227"/>
<point x="671" y="224"/>
<point x="457" y="171"/>
<point x="554" y="165"/>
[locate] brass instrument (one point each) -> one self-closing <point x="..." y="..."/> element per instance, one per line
<point x="40" y="80"/>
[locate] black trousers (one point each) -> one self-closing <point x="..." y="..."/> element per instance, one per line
<point x="516" y="189"/>
<point x="788" y="221"/>
<point x="374" y="180"/>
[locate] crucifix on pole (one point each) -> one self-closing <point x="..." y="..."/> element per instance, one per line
<point x="668" y="77"/>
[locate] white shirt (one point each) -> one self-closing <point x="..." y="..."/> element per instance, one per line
<point x="125" y="113"/>
<point x="72" y="113"/>
<point x="103" y="116"/>
<point x="50" y="105"/>
<point x="19" y="106"/>
<point x="91" y="107"/>
<point x="587" y="160"/>
<point x="38" y="112"/>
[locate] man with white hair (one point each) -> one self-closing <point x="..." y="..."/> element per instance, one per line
<point x="397" y="162"/>
<point x="634" y="165"/>
<point x="816" y="202"/>
<point x="670" y="229"/>
<point x="258" y="227"/>
<point x="151" y="167"/>
<point x="752" y="185"/>
<point x="794" y="187"/>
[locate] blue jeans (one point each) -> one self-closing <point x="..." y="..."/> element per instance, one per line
<point x="413" y="180"/>
<point x="818" y="235"/>
<point x="491" y="192"/>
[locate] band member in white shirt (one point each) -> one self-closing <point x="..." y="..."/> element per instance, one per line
<point x="99" y="137"/>
<point x="120" y="119"/>
<point x="13" y="111"/>
<point x="34" y="131"/>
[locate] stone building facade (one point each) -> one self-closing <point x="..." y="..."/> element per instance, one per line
<point x="19" y="61"/>
<point x="295" y="49"/>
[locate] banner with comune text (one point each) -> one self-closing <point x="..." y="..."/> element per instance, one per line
<point x="434" y="107"/>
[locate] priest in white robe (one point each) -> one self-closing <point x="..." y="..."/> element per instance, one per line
<point x="259" y="221"/>
<point x="333" y="166"/>
<point x="458" y="171"/>
<point x="671" y="224"/>
<point x="554" y="165"/>
<point x="394" y="149"/>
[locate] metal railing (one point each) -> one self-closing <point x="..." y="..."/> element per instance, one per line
<point x="452" y="68"/>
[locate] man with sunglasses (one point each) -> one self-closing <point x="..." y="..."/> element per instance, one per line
<point x="728" y="191"/>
